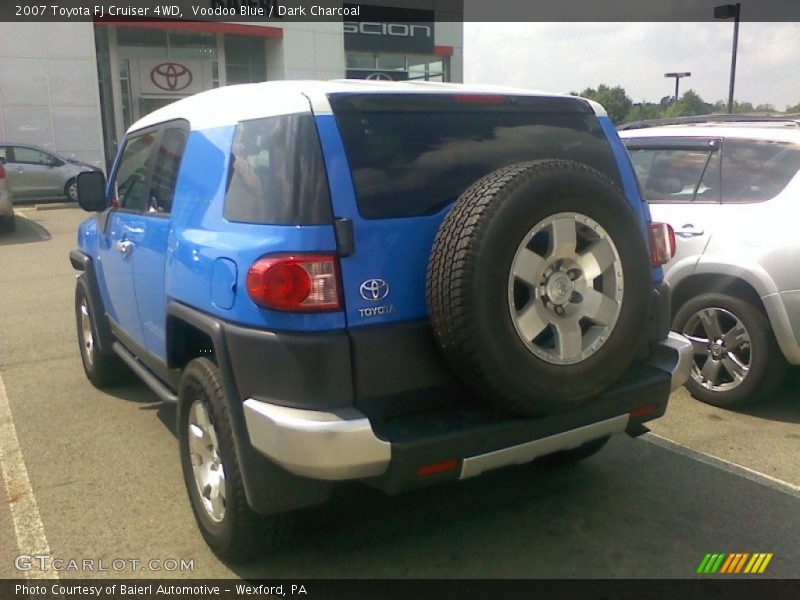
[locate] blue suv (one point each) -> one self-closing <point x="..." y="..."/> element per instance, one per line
<point x="400" y="283"/>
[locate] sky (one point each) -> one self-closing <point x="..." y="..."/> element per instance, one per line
<point x="566" y="57"/>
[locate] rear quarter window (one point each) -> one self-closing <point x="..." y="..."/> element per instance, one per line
<point x="412" y="155"/>
<point x="757" y="170"/>
<point x="277" y="175"/>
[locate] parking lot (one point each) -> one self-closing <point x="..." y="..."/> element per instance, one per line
<point x="105" y="480"/>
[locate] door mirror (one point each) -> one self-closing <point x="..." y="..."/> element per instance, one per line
<point x="92" y="191"/>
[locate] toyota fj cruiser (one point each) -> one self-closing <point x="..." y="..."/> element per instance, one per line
<point x="405" y="284"/>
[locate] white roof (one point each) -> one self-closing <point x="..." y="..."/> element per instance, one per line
<point x="230" y="104"/>
<point x="745" y="130"/>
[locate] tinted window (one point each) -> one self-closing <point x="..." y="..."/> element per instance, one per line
<point x="754" y="170"/>
<point x="414" y="155"/>
<point x="31" y="156"/>
<point x="277" y="175"/>
<point x="131" y="184"/>
<point x="673" y="175"/>
<point x="165" y="169"/>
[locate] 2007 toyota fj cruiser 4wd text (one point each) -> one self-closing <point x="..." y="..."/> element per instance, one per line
<point x="404" y="284"/>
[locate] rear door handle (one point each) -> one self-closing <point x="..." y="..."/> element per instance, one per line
<point x="688" y="231"/>
<point x="124" y="247"/>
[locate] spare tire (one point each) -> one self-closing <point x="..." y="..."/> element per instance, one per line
<point x="539" y="285"/>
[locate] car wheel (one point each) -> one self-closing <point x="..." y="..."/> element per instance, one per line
<point x="736" y="358"/>
<point x="566" y="457"/>
<point x="8" y="225"/>
<point x="211" y="470"/>
<point x="101" y="368"/>
<point x="71" y="190"/>
<point x="539" y="285"/>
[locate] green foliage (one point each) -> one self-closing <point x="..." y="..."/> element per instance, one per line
<point x="614" y="100"/>
<point x="621" y="109"/>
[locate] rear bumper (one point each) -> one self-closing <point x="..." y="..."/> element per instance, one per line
<point x="345" y="444"/>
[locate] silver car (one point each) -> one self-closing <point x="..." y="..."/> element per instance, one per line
<point x="731" y="191"/>
<point x="32" y="172"/>
<point x="6" y="208"/>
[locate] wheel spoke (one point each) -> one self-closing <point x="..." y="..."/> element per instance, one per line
<point x="563" y="239"/>
<point x="734" y="367"/>
<point x="711" y="371"/>
<point x="699" y="345"/>
<point x="569" y="339"/>
<point x="217" y="499"/>
<point x="596" y="259"/>
<point x="533" y="320"/>
<point x="528" y="267"/>
<point x="598" y="307"/>
<point x="198" y="443"/>
<point x="709" y="317"/>
<point x="735" y="337"/>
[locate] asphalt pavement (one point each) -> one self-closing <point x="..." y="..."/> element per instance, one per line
<point x="105" y="479"/>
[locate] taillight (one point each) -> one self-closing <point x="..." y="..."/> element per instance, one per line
<point x="662" y="243"/>
<point x="295" y="282"/>
<point x="2" y="171"/>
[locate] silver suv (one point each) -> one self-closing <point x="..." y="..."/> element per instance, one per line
<point x="730" y="188"/>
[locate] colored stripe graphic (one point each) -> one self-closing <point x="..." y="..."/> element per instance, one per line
<point x="734" y="563"/>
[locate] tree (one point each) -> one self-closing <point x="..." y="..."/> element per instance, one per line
<point x="643" y="111"/>
<point x="793" y="109"/>
<point x="614" y="100"/>
<point x="690" y="104"/>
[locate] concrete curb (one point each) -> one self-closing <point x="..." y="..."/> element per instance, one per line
<point x="56" y="205"/>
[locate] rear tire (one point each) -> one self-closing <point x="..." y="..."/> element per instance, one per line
<point x="747" y="367"/>
<point x="211" y="470"/>
<point x="102" y="368"/>
<point x="71" y="190"/>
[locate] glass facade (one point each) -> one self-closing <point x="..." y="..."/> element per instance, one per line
<point x="379" y="65"/>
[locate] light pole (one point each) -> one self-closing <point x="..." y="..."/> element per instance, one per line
<point x="677" y="77"/>
<point x="726" y="11"/>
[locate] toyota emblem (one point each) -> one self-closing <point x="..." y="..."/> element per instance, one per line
<point x="379" y="77"/>
<point x="171" y="77"/>
<point x="374" y="290"/>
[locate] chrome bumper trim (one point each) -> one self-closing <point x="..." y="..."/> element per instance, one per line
<point x="674" y="356"/>
<point x="517" y="455"/>
<point x="317" y="444"/>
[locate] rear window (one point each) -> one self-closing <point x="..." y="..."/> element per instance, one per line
<point x="277" y="175"/>
<point x="412" y="155"/>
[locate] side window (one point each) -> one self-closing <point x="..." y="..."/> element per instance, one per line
<point x="165" y="170"/>
<point x="675" y="175"/>
<point x="276" y="173"/>
<point x="131" y="184"/>
<point x="756" y="170"/>
<point x="32" y="157"/>
<point x="4" y="154"/>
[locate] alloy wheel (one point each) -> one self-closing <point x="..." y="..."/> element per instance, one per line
<point x="565" y="288"/>
<point x="722" y="350"/>
<point x="209" y="472"/>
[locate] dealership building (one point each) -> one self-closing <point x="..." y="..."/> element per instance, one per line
<point x="74" y="88"/>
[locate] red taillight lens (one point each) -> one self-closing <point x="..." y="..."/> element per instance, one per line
<point x="479" y="98"/>
<point x="662" y="243"/>
<point x="295" y="283"/>
<point x="2" y="172"/>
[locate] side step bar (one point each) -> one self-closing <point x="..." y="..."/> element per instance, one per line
<point x="154" y="383"/>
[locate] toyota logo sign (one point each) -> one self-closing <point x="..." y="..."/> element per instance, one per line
<point x="374" y="290"/>
<point x="171" y="77"/>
